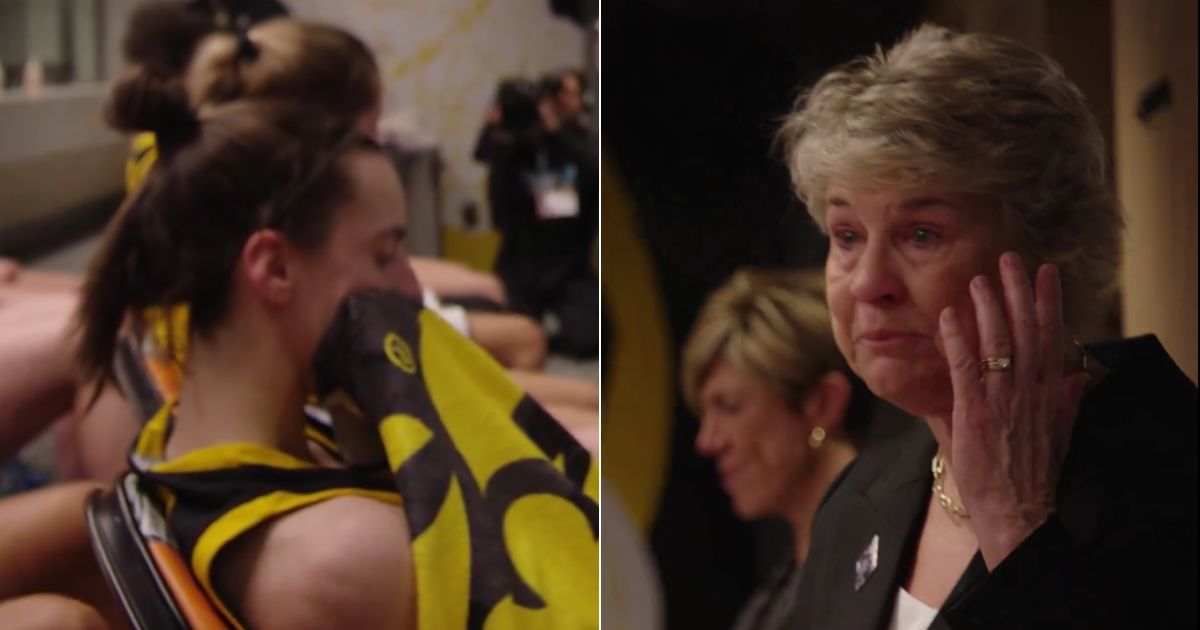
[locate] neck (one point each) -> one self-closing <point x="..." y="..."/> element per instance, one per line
<point x="939" y="426"/>
<point x="829" y="462"/>
<point x="239" y="387"/>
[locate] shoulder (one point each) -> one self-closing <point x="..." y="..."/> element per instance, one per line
<point x="901" y="450"/>
<point x="1130" y="476"/>
<point x="1141" y="369"/>
<point x="344" y="562"/>
<point x="1143" y="404"/>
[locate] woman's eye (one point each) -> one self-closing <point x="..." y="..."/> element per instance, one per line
<point x="845" y="238"/>
<point x="925" y="238"/>
<point x="385" y="257"/>
<point x="383" y="261"/>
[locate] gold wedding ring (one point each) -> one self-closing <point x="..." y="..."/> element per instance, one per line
<point x="995" y="364"/>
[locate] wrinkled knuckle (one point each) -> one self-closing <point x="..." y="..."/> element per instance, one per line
<point x="962" y="362"/>
<point x="998" y="341"/>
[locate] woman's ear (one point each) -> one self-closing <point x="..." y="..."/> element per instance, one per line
<point x="266" y="266"/>
<point x="828" y="401"/>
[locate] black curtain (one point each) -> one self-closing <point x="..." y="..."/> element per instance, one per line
<point x="694" y="92"/>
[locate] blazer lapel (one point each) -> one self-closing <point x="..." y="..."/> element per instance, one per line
<point x="889" y="512"/>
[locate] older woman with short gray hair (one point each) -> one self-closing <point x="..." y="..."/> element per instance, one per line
<point x="961" y="181"/>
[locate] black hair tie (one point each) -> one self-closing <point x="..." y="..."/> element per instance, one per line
<point x="247" y="50"/>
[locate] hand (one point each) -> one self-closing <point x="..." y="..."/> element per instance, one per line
<point x="9" y="270"/>
<point x="1010" y="428"/>
<point x="550" y="119"/>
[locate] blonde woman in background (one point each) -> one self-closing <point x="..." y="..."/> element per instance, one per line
<point x="781" y="413"/>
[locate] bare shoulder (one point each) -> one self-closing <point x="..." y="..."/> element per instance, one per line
<point x="345" y="562"/>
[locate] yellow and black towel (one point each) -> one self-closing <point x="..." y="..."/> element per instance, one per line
<point x="501" y="501"/>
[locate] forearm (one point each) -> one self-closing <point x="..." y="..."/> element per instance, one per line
<point x="1053" y="580"/>
<point x="449" y="279"/>
<point x="36" y="361"/>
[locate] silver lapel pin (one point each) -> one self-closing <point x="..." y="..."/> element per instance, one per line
<point x="866" y="563"/>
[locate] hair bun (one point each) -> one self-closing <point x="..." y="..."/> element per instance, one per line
<point x="139" y="102"/>
<point x="161" y="36"/>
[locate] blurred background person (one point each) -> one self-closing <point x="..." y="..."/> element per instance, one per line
<point x="568" y="88"/>
<point x="781" y="414"/>
<point x="542" y="185"/>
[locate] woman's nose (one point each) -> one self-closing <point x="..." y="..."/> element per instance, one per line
<point x="875" y="278"/>
<point x="708" y="442"/>
<point x="403" y="278"/>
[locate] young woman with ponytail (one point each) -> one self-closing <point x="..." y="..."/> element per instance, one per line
<point x="261" y="216"/>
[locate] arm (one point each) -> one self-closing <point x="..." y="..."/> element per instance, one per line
<point x="485" y="144"/>
<point x="448" y="278"/>
<point x="37" y="363"/>
<point x="578" y="143"/>
<point x="1102" y="538"/>
<point x="1143" y="568"/>
<point x="343" y="563"/>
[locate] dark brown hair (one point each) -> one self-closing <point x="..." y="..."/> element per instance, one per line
<point x="162" y="35"/>
<point x="176" y="55"/>
<point x="242" y="167"/>
<point x="284" y="58"/>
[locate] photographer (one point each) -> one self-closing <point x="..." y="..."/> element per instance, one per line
<point x="542" y="161"/>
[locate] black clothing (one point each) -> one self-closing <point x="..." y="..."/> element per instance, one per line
<point x="239" y="14"/>
<point x="773" y="602"/>
<point x="1119" y="553"/>
<point x="545" y="263"/>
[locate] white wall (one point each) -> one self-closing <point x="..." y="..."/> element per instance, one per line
<point x="56" y="151"/>
<point x="441" y="61"/>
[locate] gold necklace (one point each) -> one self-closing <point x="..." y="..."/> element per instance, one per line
<point x="939" y="470"/>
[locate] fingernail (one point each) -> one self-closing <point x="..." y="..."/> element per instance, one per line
<point x="1052" y="272"/>
<point x="979" y="282"/>
<point x="948" y="320"/>
<point x="1012" y="260"/>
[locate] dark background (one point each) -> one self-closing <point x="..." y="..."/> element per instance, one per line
<point x="693" y="93"/>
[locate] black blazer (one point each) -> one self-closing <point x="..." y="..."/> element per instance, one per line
<point x="1119" y="553"/>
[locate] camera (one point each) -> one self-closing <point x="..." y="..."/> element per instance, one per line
<point x="518" y="102"/>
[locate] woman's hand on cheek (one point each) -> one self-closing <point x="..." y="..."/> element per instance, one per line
<point x="1011" y="426"/>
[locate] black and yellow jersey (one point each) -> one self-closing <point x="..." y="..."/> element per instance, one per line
<point x="143" y="153"/>
<point x="211" y="496"/>
<point x="502" y="503"/>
